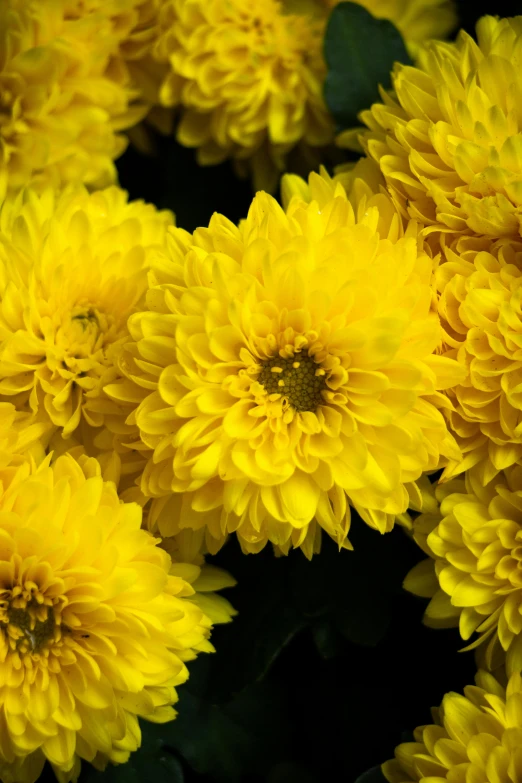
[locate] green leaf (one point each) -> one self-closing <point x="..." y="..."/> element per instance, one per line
<point x="373" y="775"/>
<point x="360" y="51"/>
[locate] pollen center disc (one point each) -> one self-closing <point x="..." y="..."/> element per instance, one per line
<point x="296" y="379"/>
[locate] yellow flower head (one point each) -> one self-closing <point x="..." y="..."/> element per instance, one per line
<point x="96" y="623"/>
<point x="476" y="737"/>
<point x="72" y="269"/>
<point x="475" y="540"/>
<point x="249" y="76"/>
<point x="286" y="370"/>
<point x="450" y="143"/>
<point x="480" y="287"/>
<point x="65" y="90"/>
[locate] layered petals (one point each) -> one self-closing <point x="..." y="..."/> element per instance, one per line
<point x="474" y="576"/>
<point x="73" y="267"/>
<point x="448" y="140"/>
<point x="96" y="621"/>
<point x="476" y="737"/>
<point x="278" y="387"/>
<point x="67" y="88"/>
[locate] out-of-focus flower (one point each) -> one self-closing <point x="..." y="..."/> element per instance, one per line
<point x="73" y="267"/>
<point x="248" y="77"/>
<point x="449" y="140"/>
<point x="476" y="737"/>
<point x="65" y="88"/>
<point x="286" y="370"/>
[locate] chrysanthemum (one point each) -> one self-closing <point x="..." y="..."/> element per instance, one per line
<point x="65" y="90"/>
<point x="450" y="143"/>
<point x="474" y="576"/>
<point x="96" y="622"/>
<point x="72" y="269"/>
<point x="248" y="77"/>
<point x="476" y="737"/>
<point x="480" y="289"/>
<point x="286" y="370"/>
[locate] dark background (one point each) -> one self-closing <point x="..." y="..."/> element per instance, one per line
<point x="328" y="666"/>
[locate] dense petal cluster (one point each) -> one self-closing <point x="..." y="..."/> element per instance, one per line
<point x="449" y="140"/>
<point x="96" y="622"/>
<point x="249" y="76"/>
<point x="477" y="737"/>
<point x="66" y="90"/>
<point x="73" y="268"/>
<point x="286" y="369"/>
<point x="21" y="438"/>
<point x="474" y="575"/>
<point x="479" y="288"/>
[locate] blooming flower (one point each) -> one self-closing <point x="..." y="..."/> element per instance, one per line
<point x="72" y="269"/>
<point x="279" y="384"/>
<point x="449" y="142"/>
<point x="65" y="90"/>
<point x="475" y="575"/>
<point x="480" y="286"/>
<point x="96" y="622"/>
<point x="476" y="737"/>
<point x="248" y="77"/>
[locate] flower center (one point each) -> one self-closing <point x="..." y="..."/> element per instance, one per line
<point x="25" y="633"/>
<point x="299" y="378"/>
<point x="83" y="340"/>
<point x="28" y="620"/>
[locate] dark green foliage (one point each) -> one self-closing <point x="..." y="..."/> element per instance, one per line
<point x="360" y="52"/>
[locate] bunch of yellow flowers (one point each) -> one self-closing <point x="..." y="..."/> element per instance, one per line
<point x="161" y="391"/>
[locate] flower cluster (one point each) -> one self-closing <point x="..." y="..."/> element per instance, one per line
<point x="98" y="618"/>
<point x="162" y="390"/>
<point x="248" y="76"/>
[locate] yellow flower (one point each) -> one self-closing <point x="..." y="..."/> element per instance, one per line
<point x="475" y="581"/>
<point x="450" y="143"/>
<point x="96" y="622"/>
<point x="72" y="269"/>
<point x="65" y="90"/>
<point x="480" y="289"/>
<point x="286" y="370"/>
<point x="476" y="737"/>
<point x="249" y="76"/>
